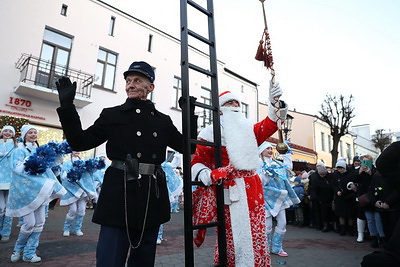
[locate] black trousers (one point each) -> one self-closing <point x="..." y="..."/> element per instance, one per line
<point x="113" y="247"/>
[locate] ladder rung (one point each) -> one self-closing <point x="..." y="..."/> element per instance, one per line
<point x="199" y="8"/>
<point x="203" y="143"/>
<point x="206" y="225"/>
<point x="201" y="38"/>
<point x="197" y="68"/>
<point x="206" y="106"/>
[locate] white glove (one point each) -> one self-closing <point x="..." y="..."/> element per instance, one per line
<point x="276" y="114"/>
<point x="204" y="177"/>
<point x="275" y="92"/>
<point x="202" y="173"/>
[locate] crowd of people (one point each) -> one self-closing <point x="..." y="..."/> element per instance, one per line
<point x="353" y="200"/>
<point x="32" y="177"/>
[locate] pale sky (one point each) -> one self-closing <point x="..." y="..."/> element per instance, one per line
<point x="319" y="47"/>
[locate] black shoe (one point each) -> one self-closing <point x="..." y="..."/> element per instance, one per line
<point x="375" y="242"/>
<point x="382" y="242"/>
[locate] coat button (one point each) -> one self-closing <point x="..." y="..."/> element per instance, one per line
<point x="154" y="156"/>
<point x="138" y="133"/>
<point x="138" y="110"/>
<point x="155" y="134"/>
<point x="152" y="113"/>
<point x="139" y="155"/>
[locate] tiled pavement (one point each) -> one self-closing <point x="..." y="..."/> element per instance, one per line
<point x="306" y="247"/>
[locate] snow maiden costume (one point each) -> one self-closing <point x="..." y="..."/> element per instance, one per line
<point x="244" y="209"/>
<point x="7" y="145"/>
<point x="278" y="193"/>
<point x="77" y="178"/>
<point x="32" y="187"/>
<point x="174" y="182"/>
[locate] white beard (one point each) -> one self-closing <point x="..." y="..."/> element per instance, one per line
<point x="241" y="143"/>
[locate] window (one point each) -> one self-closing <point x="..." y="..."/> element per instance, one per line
<point x="329" y="142"/>
<point x="206" y="114"/>
<point x="150" y="43"/>
<point x="112" y="25"/>
<point x="105" y="69"/>
<point x="64" y="10"/>
<point x="341" y="148"/>
<point x="245" y="109"/>
<point x="323" y="148"/>
<point x="177" y="92"/>
<point x="54" y="58"/>
<point x="348" y="152"/>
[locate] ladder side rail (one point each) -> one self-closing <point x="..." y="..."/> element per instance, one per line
<point x="217" y="136"/>
<point x="187" y="187"/>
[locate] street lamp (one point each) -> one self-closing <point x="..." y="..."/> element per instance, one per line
<point x="287" y="125"/>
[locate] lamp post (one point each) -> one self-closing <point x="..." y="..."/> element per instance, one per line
<point x="287" y="125"/>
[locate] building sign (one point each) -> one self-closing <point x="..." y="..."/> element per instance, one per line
<point x="19" y="107"/>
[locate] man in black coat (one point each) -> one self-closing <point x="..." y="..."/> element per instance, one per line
<point x="134" y="199"/>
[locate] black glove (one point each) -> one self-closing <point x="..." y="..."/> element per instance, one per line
<point x="192" y="100"/>
<point x="66" y="91"/>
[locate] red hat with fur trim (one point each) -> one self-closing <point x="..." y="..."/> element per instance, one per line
<point x="227" y="96"/>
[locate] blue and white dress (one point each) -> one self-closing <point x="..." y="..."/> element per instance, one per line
<point x="29" y="192"/>
<point x="83" y="188"/>
<point x="278" y="192"/>
<point x="174" y="185"/>
<point x="6" y="148"/>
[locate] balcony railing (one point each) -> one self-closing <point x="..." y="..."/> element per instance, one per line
<point x="44" y="73"/>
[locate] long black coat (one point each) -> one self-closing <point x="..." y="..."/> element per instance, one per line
<point x="345" y="205"/>
<point x="320" y="188"/>
<point x="135" y="128"/>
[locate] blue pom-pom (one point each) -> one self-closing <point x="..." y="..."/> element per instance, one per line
<point x="40" y="160"/>
<point x="75" y="173"/>
<point x="90" y="165"/>
<point x="65" y="148"/>
<point x="101" y="163"/>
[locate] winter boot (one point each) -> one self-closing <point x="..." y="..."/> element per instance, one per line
<point x="277" y="245"/>
<point x="19" y="246"/>
<point x="30" y="248"/>
<point x="78" y="225"/>
<point x="382" y="242"/>
<point x="67" y="225"/>
<point x="6" y="230"/>
<point x="269" y="240"/>
<point x="160" y="233"/>
<point x="360" y="229"/>
<point x="375" y="242"/>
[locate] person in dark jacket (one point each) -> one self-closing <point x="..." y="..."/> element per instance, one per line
<point x="345" y="199"/>
<point x="133" y="202"/>
<point x="321" y="195"/>
<point x="388" y="165"/>
<point x="360" y="184"/>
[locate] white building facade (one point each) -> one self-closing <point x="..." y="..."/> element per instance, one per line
<point x="45" y="40"/>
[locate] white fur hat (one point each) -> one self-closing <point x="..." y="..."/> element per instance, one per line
<point x="226" y="96"/>
<point x="341" y="163"/>
<point x="25" y="128"/>
<point x="8" y="127"/>
<point x="264" y="146"/>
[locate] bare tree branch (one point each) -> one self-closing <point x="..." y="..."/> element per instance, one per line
<point x="338" y="113"/>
